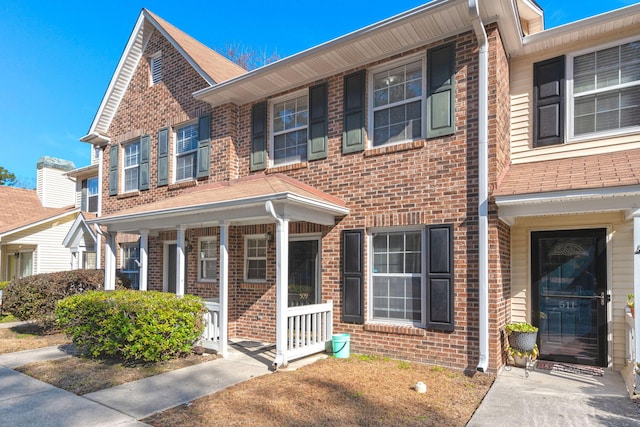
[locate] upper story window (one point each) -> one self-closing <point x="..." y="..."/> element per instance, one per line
<point x="290" y="121"/>
<point x="255" y="259"/>
<point x="131" y="166"/>
<point x="207" y="254"/>
<point x="397" y="103"/>
<point x="90" y="195"/>
<point x="186" y="152"/>
<point x="155" y="65"/>
<point x="606" y="89"/>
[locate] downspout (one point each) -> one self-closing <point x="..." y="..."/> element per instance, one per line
<point x="483" y="183"/>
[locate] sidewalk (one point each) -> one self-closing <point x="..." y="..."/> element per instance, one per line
<point x="551" y="398"/>
<point x="25" y="401"/>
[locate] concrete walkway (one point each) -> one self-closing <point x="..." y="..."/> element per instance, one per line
<point x="25" y="401"/>
<point x="551" y="398"/>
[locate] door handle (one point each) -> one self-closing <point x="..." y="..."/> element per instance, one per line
<point x="604" y="298"/>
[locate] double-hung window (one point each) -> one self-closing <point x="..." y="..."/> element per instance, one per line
<point x="131" y="166"/>
<point x="398" y="103"/>
<point x="606" y="90"/>
<point x="92" y="194"/>
<point x="290" y="122"/>
<point x="131" y="263"/>
<point x="255" y="259"/>
<point x="397" y="276"/>
<point x="208" y="256"/>
<point x="186" y="152"/>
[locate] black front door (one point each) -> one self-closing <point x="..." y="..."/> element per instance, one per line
<point x="569" y="290"/>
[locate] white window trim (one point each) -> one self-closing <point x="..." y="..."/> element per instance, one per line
<point x="569" y="128"/>
<point x="272" y="136"/>
<point x="200" y="278"/>
<point x="152" y="58"/>
<point x="370" y="97"/>
<point x="125" y="167"/>
<point x="175" y="151"/>
<point x="423" y="280"/>
<point x="247" y="259"/>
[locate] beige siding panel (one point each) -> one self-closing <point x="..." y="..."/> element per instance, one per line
<point x="619" y="266"/>
<point x="55" y="189"/>
<point x="522" y="114"/>
<point x="50" y="254"/>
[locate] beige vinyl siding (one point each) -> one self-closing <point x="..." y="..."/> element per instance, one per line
<point x="55" y="189"/>
<point x="619" y="268"/>
<point x="50" y="255"/>
<point x="522" y="111"/>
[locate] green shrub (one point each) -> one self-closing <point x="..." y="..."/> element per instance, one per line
<point x="132" y="325"/>
<point x="34" y="297"/>
<point x="3" y="285"/>
<point x="520" y="327"/>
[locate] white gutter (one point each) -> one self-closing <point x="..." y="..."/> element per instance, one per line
<point x="483" y="182"/>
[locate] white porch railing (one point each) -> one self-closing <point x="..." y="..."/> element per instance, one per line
<point x="631" y="338"/>
<point x="309" y="328"/>
<point x="631" y="379"/>
<point x="211" y="334"/>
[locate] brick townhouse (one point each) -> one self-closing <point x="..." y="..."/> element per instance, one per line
<point x="345" y="189"/>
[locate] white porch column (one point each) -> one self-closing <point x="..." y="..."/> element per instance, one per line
<point x="636" y="286"/>
<point x="282" y="290"/>
<point x="224" y="288"/>
<point x="110" y="262"/>
<point x="180" y="261"/>
<point x="144" y="258"/>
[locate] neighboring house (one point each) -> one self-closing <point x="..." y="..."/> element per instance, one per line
<point x="33" y="223"/>
<point x="81" y="240"/>
<point x="408" y="179"/>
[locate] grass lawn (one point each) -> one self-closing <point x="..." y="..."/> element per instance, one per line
<point x="28" y="337"/>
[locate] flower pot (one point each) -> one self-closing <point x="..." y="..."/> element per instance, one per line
<point x="523" y="341"/>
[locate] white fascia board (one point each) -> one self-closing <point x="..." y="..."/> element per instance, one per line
<point x="279" y="198"/>
<point x="581" y="24"/>
<point x="432" y="6"/>
<point x="568" y="195"/>
<point x="79" y="226"/>
<point x="35" y="224"/>
<point x="133" y="38"/>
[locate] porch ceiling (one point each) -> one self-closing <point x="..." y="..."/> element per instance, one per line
<point x="238" y="202"/>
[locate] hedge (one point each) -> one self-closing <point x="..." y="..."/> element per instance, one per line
<point x="34" y="297"/>
<point x="132" y="325"/>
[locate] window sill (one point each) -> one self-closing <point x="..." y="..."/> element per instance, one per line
<point x="128" y="195"/>
<point x="388" y="149"/>
<point x="286" y="168"/>
<point x="182" y="184"/>
<point x="395" y="329"/>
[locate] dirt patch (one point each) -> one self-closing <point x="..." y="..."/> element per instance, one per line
<point x="81" y="375"/>
<point x="28" y="337"/>
<point x="360" y="391"/>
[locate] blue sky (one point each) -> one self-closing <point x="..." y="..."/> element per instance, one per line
<point x="57" y="58"/>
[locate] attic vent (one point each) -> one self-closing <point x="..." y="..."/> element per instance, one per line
<point x="156" y="69"/>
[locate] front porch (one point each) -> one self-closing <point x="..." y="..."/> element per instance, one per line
<point x="220" y="211"/>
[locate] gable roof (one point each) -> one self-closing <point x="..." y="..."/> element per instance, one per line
<point x="21" y="208"/>
<point x="213" y="67"/>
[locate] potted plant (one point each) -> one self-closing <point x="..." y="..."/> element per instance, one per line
<point x="522" y="342"/>
<point x="631" y="304"/>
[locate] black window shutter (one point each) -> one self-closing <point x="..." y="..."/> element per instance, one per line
<point x="259" y="137"/>
<point x="318" y="112"/>
<point x="353" y="276"/>
<point x="113" y="170"/>
<point x="163" y="157"/>
<point x="353" y="133"/>
<point x="548" y="102"/>
<point x="441" y="71"/>
<point x="144" y="162"/>
<point x="83" y="195"/>
<point x="204" y="146"/>
<point x="440" y="294"/>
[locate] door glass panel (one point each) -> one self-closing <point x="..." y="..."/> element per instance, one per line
<point x="568" y="272"/>
<point x="303" y="272"/>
